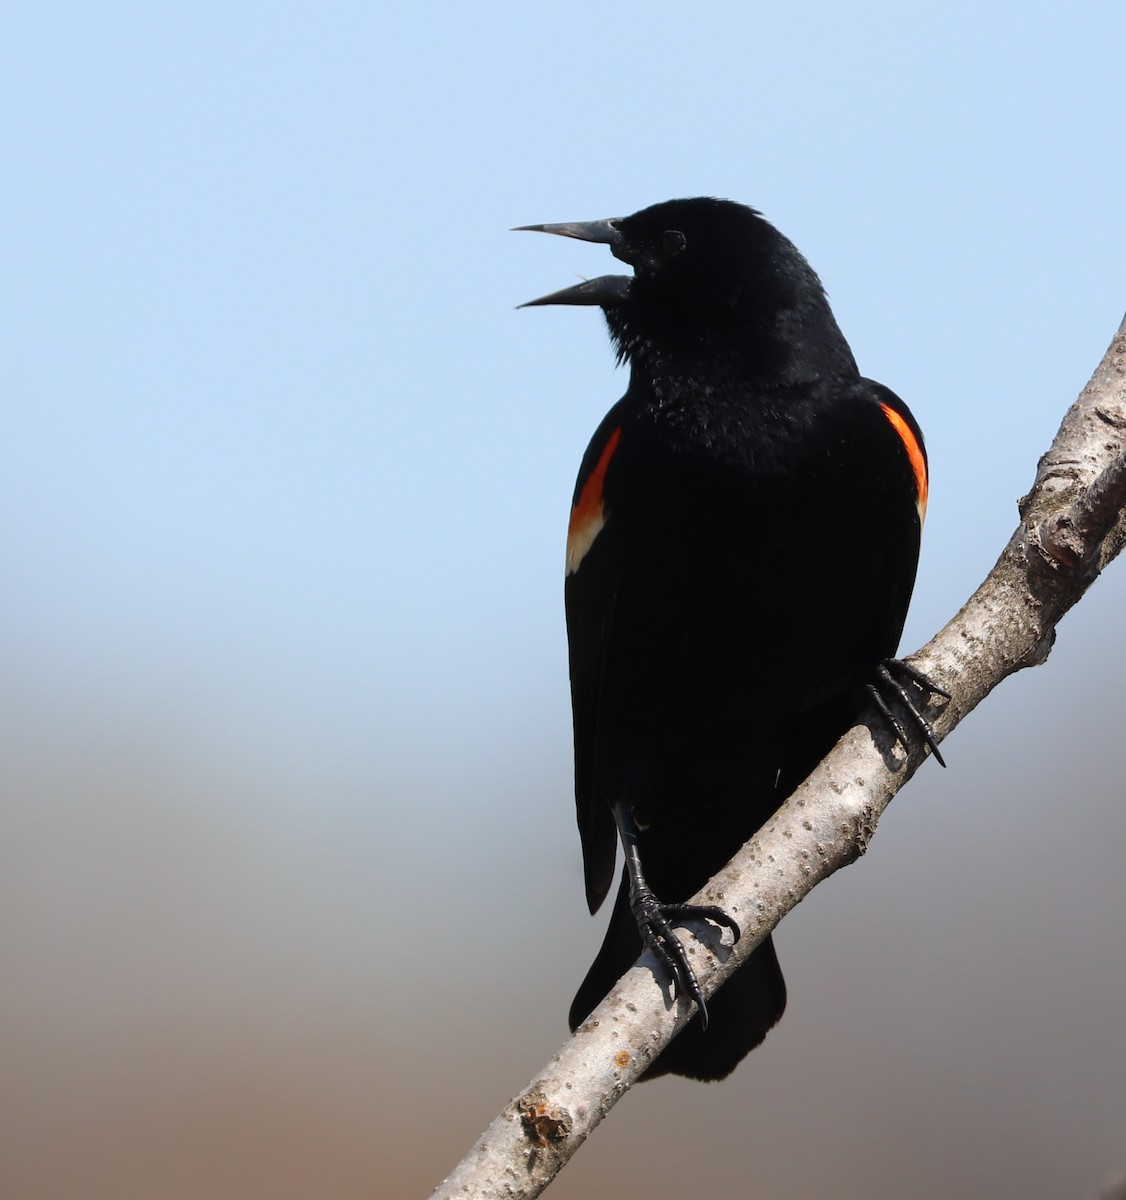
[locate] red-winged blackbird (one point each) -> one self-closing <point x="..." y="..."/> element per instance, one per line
<point x="741" y="552"/>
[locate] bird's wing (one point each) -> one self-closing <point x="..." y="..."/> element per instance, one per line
<point x="589" y="594"/>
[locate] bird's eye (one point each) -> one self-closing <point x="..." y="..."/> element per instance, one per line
<point x="673" y="241"/>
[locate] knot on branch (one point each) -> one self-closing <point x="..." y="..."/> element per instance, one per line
<point x="859" y="831"/>
<point x="1111" y="415"/>
<point x="1072" y="539"/>
<point x="1060" y="544"/>
<point x="543" y="1123"/>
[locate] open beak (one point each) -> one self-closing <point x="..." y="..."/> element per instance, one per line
<point x="606" y="289"/>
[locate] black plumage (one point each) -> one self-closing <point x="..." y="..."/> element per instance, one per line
<point x="742" y="549"/>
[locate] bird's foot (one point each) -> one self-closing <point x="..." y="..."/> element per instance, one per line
<point x="900" y="681"/>
<point x="654" y="923"/>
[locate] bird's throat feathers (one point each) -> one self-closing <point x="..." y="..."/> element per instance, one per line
<point x="783" y="347"/>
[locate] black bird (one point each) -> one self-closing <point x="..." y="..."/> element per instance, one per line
<point x="741" y="552"/>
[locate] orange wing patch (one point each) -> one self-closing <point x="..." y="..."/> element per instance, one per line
<point x="915" y="457"/>
<point x="588" y="514"/>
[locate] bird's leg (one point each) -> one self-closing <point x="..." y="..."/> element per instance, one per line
<point x="654" y="918"/>
<point x="894" y="680"/>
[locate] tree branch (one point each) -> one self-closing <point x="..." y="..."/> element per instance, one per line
<point x="1073" y="523"/>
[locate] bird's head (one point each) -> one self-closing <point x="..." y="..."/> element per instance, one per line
<point x="710" y="276"/>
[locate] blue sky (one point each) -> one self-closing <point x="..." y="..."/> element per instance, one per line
<point x="285" y="479"/>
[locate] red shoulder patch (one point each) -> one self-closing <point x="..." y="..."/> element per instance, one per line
<point x="915" y="457"/>
<point x="588" y="513"/>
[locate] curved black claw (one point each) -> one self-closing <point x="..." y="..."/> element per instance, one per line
<point x="654" y="923"/>
<point x="895" y="678"/>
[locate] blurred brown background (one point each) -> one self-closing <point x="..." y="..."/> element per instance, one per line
<point x="226" y="980"/>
